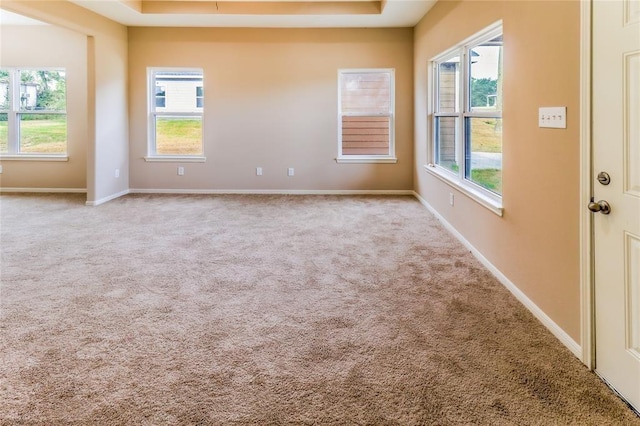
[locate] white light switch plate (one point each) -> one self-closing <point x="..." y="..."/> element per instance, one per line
<point x="553" y="117"/>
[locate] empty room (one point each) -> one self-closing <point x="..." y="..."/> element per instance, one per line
<point x="381" y="212"/>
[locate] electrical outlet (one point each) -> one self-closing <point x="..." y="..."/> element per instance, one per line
<point x="258" y="171"/>
<point x="0" y="169"/>
<point x="553" y="117"/>
<point x="290" y="171"/>
<point x="117" y="173"/>
<point x="180" y="171"/>
<point x="451" y="198"/>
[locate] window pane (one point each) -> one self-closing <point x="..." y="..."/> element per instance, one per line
<point x="448" y="85"/>
<point x="486" y="76"/>
<point x="4" y="133"/>
<point x="484" y="153"/>
<point x="160" y="96"/>
<point x="43" y="90"/>
<point x="4" y="90"/>
<point x="365" y="93"/>
<point x="199" y="97"/>
<point x="43" y="133"/>
<point x="365" y="135"/>
<point x="446" y="128"/>
<point x="178" y="89"/>
<point x="179" y="135"/>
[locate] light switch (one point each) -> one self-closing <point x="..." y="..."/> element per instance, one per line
<point x="553" y="117"/>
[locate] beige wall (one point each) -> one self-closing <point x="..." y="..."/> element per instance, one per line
<point x="536" y="243"/>
<point x="110" y="74"/>
<point x="106" y="89"/>
<point x="271" y="101"/>
<point x="50" y="46"/>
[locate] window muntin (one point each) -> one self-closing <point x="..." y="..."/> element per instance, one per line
<point x="176" y="112"/>
<point x="366" y="114"/>
<point x="33" y="117"/>
<point x="467" y="117"/>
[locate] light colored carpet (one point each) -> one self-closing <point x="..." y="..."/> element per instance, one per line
<point x="154" y="310"/>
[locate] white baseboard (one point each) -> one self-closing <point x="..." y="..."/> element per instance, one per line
<point x="554" y="328"/>
<point x="212" y="191"/>
<point x="273" y="191"/>
<point x="45" y="190"/>
<point x="107" y="198"/>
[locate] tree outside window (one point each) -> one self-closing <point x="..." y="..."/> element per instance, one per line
<point x="33" y="117"/>
<point x="467" y="118"/>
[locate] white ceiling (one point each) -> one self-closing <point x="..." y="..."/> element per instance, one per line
<point x="256" y="13"/>
<point x="9" y="18"/>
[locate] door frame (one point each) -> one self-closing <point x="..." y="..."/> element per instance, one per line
<point x="587" y="259"/>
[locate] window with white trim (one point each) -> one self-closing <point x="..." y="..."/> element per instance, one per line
<point x="466" y="145"/>
<point x="176" y="101"/>
<point x="366" y="115"/>
<point x="33" y="112"/>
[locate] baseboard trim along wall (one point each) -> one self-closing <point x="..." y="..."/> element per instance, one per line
<point x="107" y="198"/>
<point x="45" y="190"/>
<point x="554" y="328"/>
<point x="274" y="191"/>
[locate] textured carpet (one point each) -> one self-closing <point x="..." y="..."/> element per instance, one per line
<point x="154" y="310"/>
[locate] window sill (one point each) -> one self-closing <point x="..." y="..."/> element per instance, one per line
<point x="360" y="160"/>
<point x="475" y="194"/>
<point x="176" y="159"/>
<point x="34" y="157"/>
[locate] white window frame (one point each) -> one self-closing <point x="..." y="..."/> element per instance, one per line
<point x="391" y="156"/>
<point x="13" y="119"/>
<point x="152" y="114"/>
<point x="483" y="196"/>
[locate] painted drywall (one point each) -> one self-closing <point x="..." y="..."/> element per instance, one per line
<point x="536" y="243"/>
<point x="271" y="101"/>
<point x="111" y="115"/>
<point x="108" y="121"/>
<point x="41" y="47"/>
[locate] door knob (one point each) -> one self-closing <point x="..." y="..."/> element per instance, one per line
<point x="601" y="206"/>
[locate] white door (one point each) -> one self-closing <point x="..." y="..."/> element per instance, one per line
<point x="616" y="150"/>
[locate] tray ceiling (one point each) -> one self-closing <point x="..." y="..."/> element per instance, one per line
<point x="261" y="13"/>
